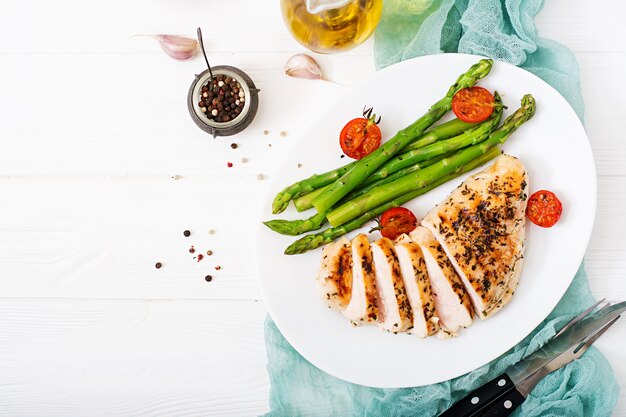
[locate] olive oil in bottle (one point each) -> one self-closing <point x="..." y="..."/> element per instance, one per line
<point x="327" y="26"/>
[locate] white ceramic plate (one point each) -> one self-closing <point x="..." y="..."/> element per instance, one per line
<point x="554" y="148"/>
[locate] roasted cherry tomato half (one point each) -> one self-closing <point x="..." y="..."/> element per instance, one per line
<point x="473" y="104"/>
<point x="360" y="137"/>
<point x="544" y="208"/>
<point x="396" y="221"/>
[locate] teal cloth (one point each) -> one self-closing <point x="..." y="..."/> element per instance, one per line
<point x="505" y="30"/>
<point x="499" y="29"/>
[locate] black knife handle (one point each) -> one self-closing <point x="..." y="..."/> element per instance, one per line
<point x="479" y="400"/>
<point x="505" y="405"/>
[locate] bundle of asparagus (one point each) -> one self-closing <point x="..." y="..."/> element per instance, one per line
<point x="410" y="164"/>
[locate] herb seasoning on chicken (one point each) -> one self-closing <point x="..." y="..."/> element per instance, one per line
<point x="481" y="228"/>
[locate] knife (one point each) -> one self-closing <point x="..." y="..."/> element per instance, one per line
<point x="501" y="395"/>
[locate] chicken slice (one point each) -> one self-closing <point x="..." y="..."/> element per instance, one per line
<point x="335" y="275"/>
<point x="481" y="226"/>
<point x="363" y="305"/>
<point x="452" y="303"/>
<point x="394" y="309"/>
<point x="417" y="284"/>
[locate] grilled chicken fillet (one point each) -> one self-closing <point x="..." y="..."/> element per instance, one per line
<point x="335" y="275"/>
<point x="363" y="305"/>
<point x="417" y="285"/>
<point x="481" y="227"/>
<point x="395" y="313"/>
<point x="452" y="303"/>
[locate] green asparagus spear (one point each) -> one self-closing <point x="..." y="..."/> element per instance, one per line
<point x="369" y="164"/>
<point x="315" y="181"/>
<point x="445" y="130"/>
<point x="315" y="222"/>
<point x="423" y="177"/>
<point x="476" y="135"/>
<point x="305" y="202"/>
<point x="410" y="161"/>
<point x="366" y="188"/>
<point x="297" y="227"/>
<point x="428" y="145"/>
<point x="316" y="240"/>
<point x="469" y="137"/>
<point x="453" y="128"/>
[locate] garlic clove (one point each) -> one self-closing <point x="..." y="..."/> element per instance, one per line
<point x="178" y="47"/>
<point x="304" y="66"/>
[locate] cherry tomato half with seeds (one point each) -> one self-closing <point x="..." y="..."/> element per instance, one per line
<point x="361" y="136"/>
<point x="473" y="104"/>
<point x="396" y="221"/>
<point x="544" y="208"/>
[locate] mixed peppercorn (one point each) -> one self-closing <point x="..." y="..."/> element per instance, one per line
<point x="222" y="101"/>
<point x="198" y="257"/>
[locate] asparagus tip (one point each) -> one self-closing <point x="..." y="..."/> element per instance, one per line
<point x="485" y="64"/>
<point x="277" y="209"/>
<point x="284" y="227"/>
<point x="529" y="103"/>
<point x="293" y="249"/>
<point x="280" y="203"/>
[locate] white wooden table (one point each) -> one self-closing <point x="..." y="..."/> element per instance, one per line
<point x="101" y="170"/>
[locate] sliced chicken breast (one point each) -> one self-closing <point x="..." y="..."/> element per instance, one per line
<point x="394" y="309"/>
<point x="363" y="305"/>
<point x="481" y="226"/>
<point x="335" y="275"/>
<point x="452" y="303"/>
<point x="417" y="284"/>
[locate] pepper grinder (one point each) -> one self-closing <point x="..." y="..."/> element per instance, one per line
<point x="216" y="119"/>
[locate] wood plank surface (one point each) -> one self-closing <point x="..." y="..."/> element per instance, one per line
<point x="101" y="169"/>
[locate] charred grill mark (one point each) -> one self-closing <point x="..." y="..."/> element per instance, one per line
<point x="367" y="264"/>
<point x="404" y="306"/>
<point x="342" y="278"/>
<point x="371" y="291"/>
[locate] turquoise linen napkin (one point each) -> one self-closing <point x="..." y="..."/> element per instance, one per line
<point x="505" y="30"/>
